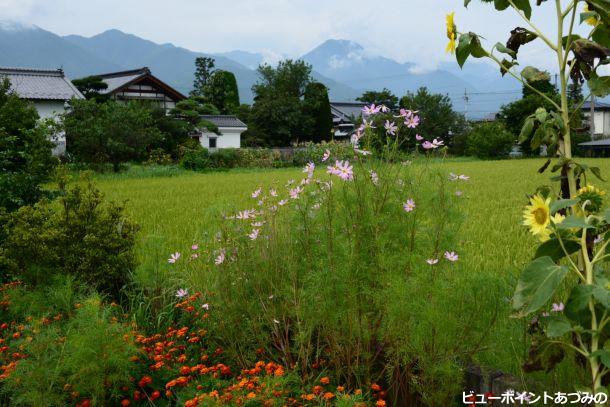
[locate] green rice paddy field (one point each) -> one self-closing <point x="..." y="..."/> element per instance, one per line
<point x="176" y="208"/>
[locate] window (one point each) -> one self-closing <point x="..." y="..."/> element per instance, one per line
<point x="212" y="143"/>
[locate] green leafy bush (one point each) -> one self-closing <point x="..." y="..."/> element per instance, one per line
<point x="259" y="158"/>
<point x="306" y="152"/>
<point x="78" y="234"/>
<point x="490" y="140"/>
<point x="26" y="161"/>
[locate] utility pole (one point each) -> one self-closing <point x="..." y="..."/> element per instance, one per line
<point x="592" y="118"/>
<point x="466" y="100"/>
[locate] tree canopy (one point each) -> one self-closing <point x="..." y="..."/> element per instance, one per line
<point x="383" y="97"/>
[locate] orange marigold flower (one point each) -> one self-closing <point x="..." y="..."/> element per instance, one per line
<point x="251" y="395"/>
<point x="325" y="380"/>
<point x="358" y="392"/>
<point x="155" y="395"/>
<point x="340" y="388"/>
<point x="317" y="389"/>
<point x="380" y="403"/>
<point x="125" y="403"/>
<point x="328" y="395"/>
<point x="375" y="387"/>
<point x="309" y="396"/>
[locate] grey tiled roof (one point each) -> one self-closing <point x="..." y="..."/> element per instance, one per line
<point x="116" y="80"/>
<point x="40" y="84"/>
<point x="346" y="111"/>
<point x="598" y="105"/>
<point x="224" y="120"/>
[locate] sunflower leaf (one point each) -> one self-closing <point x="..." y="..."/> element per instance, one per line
<point x="537" y="284"/>
<point x="562" y="204"/>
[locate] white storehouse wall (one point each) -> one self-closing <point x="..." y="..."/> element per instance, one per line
<point x="230" y="137"/>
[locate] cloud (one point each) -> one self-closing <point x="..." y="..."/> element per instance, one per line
<point x="15" y="9"/>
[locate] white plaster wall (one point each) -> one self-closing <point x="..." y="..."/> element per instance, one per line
<point x="48" y="109"/>
<point x="228" y="138"/>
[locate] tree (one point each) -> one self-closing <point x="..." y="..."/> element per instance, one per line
<point x="204" y="68"/>
<point x="438" y="119"/>
<point x="277" y="114"/>
<point x="91" y="86"/>
<point x="384" y="97"/>
<point x="191" y="111"/>
<point x="316" y="109"/>
<point x="490" y="140"/>
<point x="26" y="159"/>
<point x="110" y="132"/>
<point x="514" y="114"/>
<point x="222" y="92"/>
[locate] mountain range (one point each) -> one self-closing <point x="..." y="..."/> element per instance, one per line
<point x="345" y="67"/>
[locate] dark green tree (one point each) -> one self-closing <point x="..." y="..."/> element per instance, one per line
<point x="383" y="97"/>
<point x="316" y="110"/>
<point x="110" y="132"/>
<point x="204" y="68"/>
<point x="438" y="119"/>
<point x="222" y="92"/>
<point x="277" y="118"/>
<point x="490" y="140"/>
<point x="91" y="86"/>
<point x="26" y="161"/>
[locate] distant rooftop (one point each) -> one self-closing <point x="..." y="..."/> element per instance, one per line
<point x="346" y="111"/>
<point x="596" y="143"/>
<point x="40" y="84"/>
<point x="597" y="106"/>
<point x="225" y="121"/>
<point x="116" y="81"/>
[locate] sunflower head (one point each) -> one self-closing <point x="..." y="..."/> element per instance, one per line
<point x="592" y="194"/>
<point x="537" y="216"/>
<point x="451" y="33"/>
<point x="591" y="20"/>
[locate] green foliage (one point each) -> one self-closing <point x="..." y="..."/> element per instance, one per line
<point x="438" y="119"/>
<point x="91" y="86"/>
<point x="175" y="132"/>
<point x="204" y="68"/>
<point x="79" y="234"/>
<point x="192" y="109"/>
<point x="277" y="117"/>
<point x="490" y="140"/>
<point x="312" y="152"/>
<point x="110" y="132"/>
<point x="316" y="109"/>
<point x="221" y="91"/>
<point x="202" y="159"/>
<point x="383" y="97"/>
<point x="86" y="355"/>
<point x="26" y="161"/>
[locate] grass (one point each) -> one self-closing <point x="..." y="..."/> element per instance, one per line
<point x="176" y="208"/>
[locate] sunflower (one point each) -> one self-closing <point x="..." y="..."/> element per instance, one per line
<point x="451" y="33"/>
<point x="591" y="20"/>
<point x="592" y="194"/>
<point x="537" y="216"/>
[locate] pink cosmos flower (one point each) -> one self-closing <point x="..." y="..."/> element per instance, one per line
<point x="256" y="193"/>
<point x="404" y="113"/>
<point x="437" y="143"/>
<point x="343" y="170"/>
<point x="309" y="169"/>
<point x="254" y="234"/>
<point x="195" y="247"/>
<point x="598" y="239"/>
<point x="294" y="193"/>
<point x="451" y="256"/>
<point x="418" y="137"/>
<point x="374" y="177"/>
<point x="258" y="224"/>
<point x="390" y="128"/>
<point x="464" y="177"/>
<point x="412" y="122"/>
<point x="326" y="155"/>
<point x="273" y="192"/>
<point x="558" y="307"/>
<point x="206" y="306"/>
<point x="384" y="109"/>
<point x="427" y="145"/>
<point x="282" y="202"/>
<point x="194" y="256"/>
<point x="173" y="258"/>
<point x="362" y="152"/>
<point x="181" y="293"/>
<point x="247" y="214"/>
<point x="220" y="258"/>
<point x="409" y="206"/>
<point x="371" y="110"/>
<point x="432" y="262"/>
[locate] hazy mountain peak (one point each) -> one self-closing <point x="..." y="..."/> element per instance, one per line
<point x="10" y="25"/>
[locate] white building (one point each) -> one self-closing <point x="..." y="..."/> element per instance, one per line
<point x="140" y="84"/>
<point x="230" y="129"/>
<point x="601" y="118"/>
<point x="345" y="115"/>
<point x="48" y="90"/>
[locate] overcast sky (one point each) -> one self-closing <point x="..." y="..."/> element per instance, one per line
<point x="405" y="30"/>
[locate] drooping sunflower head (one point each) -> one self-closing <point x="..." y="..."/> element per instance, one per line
<point x="591" y="20"/>
<point x="537" y="216"/>
<point x="451" y="33"/>
<point x="592" y="194"/>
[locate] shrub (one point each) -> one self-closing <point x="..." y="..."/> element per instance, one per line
<point x="86" y="355"/>
<point x="259" y="158"/>
<point x="159" y="157"/>
<point x="79" y="234"/>
<point x="25" y="151"/>
<point x="490" y="140"/>
<point x="306" y="152"/>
